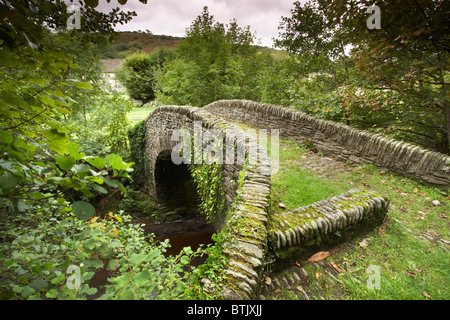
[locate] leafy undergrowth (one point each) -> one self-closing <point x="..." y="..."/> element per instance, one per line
<point x="404" y="258"/>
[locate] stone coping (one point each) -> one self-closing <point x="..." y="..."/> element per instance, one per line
<point x="322" y="221"/>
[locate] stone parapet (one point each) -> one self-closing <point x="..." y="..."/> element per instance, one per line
<point x="343" y="142"/>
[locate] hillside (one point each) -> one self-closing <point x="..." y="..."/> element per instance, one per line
<point x="148" y="41"/>
<point x="130" y="42"/>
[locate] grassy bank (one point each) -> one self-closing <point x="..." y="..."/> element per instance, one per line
<point x="408" y="254"/>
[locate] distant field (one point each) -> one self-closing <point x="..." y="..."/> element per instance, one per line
<point x="139" y="113"/>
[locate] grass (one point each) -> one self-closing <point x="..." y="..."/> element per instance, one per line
<point x="410" y="250"/>
<point x="139" y="113"/>
<point x="295" y="186"/>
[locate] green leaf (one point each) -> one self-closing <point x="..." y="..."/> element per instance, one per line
<point x="113" y="264"/>
<point x="97" y="162"/>
<point x="89" y="244"/>
<point x="115" y="162"/>
<point x="126" y="295"/>
<point x="40" y="82"/>
<point x="122" y="280"/>
<point x="109" y="182"/>
<point x="6" y="57"/>
<point x="81" y="168"/>
<point x="65" y="163"/>
<point x="6" y="137"/>
<point x="154" y="253"/>
<point x="185" y="260"/>
<point x="83" y="210"/>
<point x="9" y="180"/>
<point x="136" y="259"/>
<point x="52" y="294"/>
<point x="141" y="278"/>
<point x="27" y="291"/>
<point x="83" y="85"/>
<point x="99" y="189"/>
<point x="39" y="284"/>
<point x="73" y="150"/>
<point x="57" y="140"/>
<point x="91" y="291"/>
<point x="181" y="286"/>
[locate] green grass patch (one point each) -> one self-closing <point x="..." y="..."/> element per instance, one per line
<point x="295" y="186"/>
<point x="410" y="249"/>
<point x="139" y="113"/>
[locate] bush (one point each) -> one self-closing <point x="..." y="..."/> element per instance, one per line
<point x="56" y="255"/>
<point x="136" y="74"/>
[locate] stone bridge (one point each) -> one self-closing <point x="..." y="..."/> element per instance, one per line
<point x="259" y="236"/>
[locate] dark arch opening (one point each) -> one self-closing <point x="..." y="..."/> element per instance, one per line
<point x="178" y="200"/>
<point x="175" y="189"/>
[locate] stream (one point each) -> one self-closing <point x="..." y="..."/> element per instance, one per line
<point x="191" y="231"/>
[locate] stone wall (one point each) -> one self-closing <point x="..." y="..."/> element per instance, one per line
<point x="247" y="203"/>
<point x="293" y="234"/>
<point x="341" y="141"/>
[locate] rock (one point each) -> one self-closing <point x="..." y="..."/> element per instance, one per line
<point x="282" y="206"/>
<point x="435" y="203"/>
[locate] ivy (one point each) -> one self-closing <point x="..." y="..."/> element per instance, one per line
<point x="137" y="140"/>
<point x="209" y="181"/>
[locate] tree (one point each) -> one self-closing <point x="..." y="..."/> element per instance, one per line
<point x="137" y="72"/>
<point x="320" y="41"/>
<point x="38" y="80"/>
<point x="215" y="61"/>
<point x="401" y="81"/>
<point x="319" y="45"/>
<point x="409" y="56"/>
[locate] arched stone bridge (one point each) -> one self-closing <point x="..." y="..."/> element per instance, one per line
<point x="258" y="234"/>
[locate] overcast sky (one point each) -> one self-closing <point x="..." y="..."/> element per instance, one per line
<point x="172" y="17"/>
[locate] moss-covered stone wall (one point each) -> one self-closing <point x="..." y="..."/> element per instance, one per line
<point x="292" y="234"/>
<point x="343" y="142"/>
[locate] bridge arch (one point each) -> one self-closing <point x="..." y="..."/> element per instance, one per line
<point x="246" y="250"/>
<point x="175" y="190"/>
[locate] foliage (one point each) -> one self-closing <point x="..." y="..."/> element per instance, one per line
<point x="137" y="72"/>
<point x="137" y="139"/>
<point x="215" y="61"/>
<point x="137" y="204"/>
<point x="36" y="262"/>
<point x="407" y="63"/>
<point x="209" y="181"/>
<point x="396" y="79"/>
<point x="47" y="221"/>
<point x="319" y="41"/>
